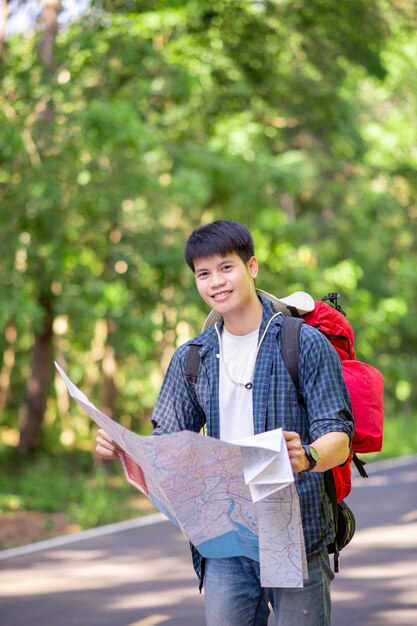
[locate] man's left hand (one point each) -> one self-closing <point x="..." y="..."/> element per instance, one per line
<point x="298" y="459"/>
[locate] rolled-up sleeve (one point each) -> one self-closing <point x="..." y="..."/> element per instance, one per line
<point x="177" y="408"/>
<point x="324" y="390"/>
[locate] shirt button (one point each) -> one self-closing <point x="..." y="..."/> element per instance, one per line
<point x="217" y="356"/>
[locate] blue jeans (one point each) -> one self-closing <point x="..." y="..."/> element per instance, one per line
<point x="234" y="596"/>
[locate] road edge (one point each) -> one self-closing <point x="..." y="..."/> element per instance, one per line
<point x="91" y="533"/>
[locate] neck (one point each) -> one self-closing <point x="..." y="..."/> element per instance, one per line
<point x="246" y="320"/>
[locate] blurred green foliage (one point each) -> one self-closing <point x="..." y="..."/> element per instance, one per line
<point x="298" y="119"/>
<point x="69" y="483"/>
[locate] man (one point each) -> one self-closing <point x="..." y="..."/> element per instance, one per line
<point x="244" y="388"/>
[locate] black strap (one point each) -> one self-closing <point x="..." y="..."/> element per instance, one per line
<point x="293" y="310"/>
<point x="193" y="364"/>
<point x="360" y="465"/>
<point x="330" y="488"/>
<point x="290" y="350"/>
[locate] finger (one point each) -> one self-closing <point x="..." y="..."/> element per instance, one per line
<point x="292" y="439"/>
<point x="106" y="448"/>
<point x="106" y="452"/>
<point x="104" y="443"/>
<point x="289" y="435"/>
<point x="105" y="440"/>
<point x="103" y="435"/>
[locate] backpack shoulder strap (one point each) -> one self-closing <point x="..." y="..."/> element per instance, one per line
<point x="192" y="364"/>
<point x="330" y="487"/>
<point x="290" y="350"/>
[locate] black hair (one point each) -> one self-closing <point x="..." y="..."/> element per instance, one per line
<point x="220" y="237"/>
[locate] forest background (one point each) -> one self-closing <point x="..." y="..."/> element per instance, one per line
<point x="126" y="126"/>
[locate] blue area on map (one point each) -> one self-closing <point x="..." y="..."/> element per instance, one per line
<point x="240" y="542"/>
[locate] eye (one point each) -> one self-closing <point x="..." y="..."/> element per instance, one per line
<point x="227" y="268"/>
<point x="202" y="274"/>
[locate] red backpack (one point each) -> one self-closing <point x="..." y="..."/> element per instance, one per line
<point x="364" y="382"/>
<point x="365" y="385"/>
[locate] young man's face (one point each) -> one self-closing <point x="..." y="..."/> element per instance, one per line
<point x="226" y="283"/>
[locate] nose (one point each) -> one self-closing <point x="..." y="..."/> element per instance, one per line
<point x="217" y="279"/>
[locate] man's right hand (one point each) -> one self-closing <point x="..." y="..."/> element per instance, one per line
<point x="106" y="448"/>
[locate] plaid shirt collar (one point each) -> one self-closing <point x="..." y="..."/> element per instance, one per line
<point x="209" y="340"/>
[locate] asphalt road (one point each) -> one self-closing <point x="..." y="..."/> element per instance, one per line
<point x="139" y="574"/>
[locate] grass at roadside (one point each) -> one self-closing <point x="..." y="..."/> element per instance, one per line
<point x="87" y="493"/>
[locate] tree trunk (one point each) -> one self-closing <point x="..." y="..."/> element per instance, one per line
<point x="48" y="26"/>
<point x="38" y="383"/>
<point x="4" y="14"/>
<point x="8" y="364"/>
<point x="40" y="378"/>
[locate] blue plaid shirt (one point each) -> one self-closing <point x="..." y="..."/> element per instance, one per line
<point x="275" y="405"/>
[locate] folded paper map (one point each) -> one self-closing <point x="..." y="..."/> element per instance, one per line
<point x="229" y="499"/>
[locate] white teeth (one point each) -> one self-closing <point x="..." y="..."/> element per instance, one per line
<point x="221" y="295"/>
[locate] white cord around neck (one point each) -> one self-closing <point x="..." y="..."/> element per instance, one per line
<point x="248" y="385"/>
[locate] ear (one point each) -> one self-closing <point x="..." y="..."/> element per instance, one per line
<point x="253" y="267"/>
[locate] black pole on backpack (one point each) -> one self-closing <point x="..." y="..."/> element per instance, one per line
<point x="333" y="297"/>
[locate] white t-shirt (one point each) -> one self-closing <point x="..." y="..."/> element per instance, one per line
<point x="235" y="401"/>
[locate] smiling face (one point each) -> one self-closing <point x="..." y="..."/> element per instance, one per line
<point x="227" y="284"/>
